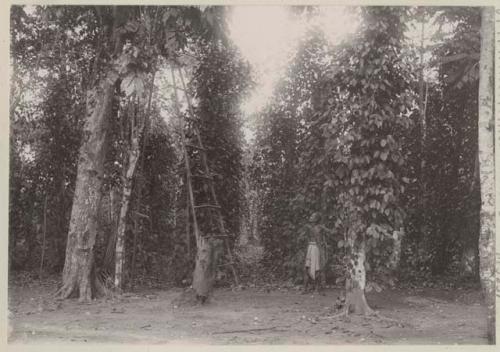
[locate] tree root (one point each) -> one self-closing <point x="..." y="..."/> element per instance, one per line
<point x="100" y="289"/>
<point x="70" y="290"/>
<point x="344" y="313"/>
<point x="186" y="298"/>
<point x="383" y="317"/>
<point x="65" y="291"/>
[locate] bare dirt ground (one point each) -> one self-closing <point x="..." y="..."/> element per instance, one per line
<point x="251" y="316"/>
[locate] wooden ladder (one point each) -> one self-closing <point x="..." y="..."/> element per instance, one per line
<point x="212" y="206"/>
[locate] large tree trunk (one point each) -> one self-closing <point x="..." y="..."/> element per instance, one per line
<point x="356" y="281"/>
<point x="78" y="273"/>
<point x="486" y="167"/>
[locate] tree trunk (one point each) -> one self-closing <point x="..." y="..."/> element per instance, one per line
<point x="138" y="129"/>
<point x="134" y="246"/>
<point x="205" y="269"/>
<point x="114" y="209"/>
<point x="61" y="225"/>
<point x="44" y="236"/>
<point x="78" y="277"/>
<point x="188" y="232"/>
<point x="487" y="168"/>
<point x="127" y="191"/>
<point x="355" y="284"/>
<point x="395" y="256"/>
<point x="422" y="209"/>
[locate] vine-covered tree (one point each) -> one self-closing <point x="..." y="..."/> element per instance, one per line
<point x="369" y="113"/>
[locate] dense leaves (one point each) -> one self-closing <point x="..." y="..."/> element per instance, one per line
<point x="351" y="139"/>
<point x="343" y="138"/>
<point x="282" y="185"/>
<point x="442" y="237"/>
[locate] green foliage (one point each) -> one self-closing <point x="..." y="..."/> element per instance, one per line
<point x="331" y="142"/>
<point x="286" y="190"/>
<point x="452" y="199"/>
<point x="46" y="106"/>
<point x="159" y="249"/>
<point x="367" y="118"/>
<point x="341" y="137"/>
<point x="58" y="53"/>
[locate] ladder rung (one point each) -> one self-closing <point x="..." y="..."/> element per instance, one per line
<point x="207" y="206"/>
<point x="194" y="146"/>
<point x="178" y="88"/>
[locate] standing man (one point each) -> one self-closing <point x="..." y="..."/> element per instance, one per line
<point x="317" y="254"/>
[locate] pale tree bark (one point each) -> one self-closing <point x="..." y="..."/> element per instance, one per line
<point x="78" y="277"/>
<point x="395" y="256"/>
<point x="422" y="107"/>
<point x="133" y="157"/>
<point x="487" y="167"/>
<point x="356" y="281"/>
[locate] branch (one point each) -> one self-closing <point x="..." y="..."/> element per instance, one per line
<point x="250" y="330"/>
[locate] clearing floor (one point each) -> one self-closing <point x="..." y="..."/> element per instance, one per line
<point x="250" y="316"/>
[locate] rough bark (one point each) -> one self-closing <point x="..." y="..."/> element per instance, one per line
<point x="355" y="284"/>
<point x="78" y="273"/>
<point x="486" y="167"/>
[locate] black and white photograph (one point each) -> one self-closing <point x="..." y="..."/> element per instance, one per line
<point x="251" y="175"/>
